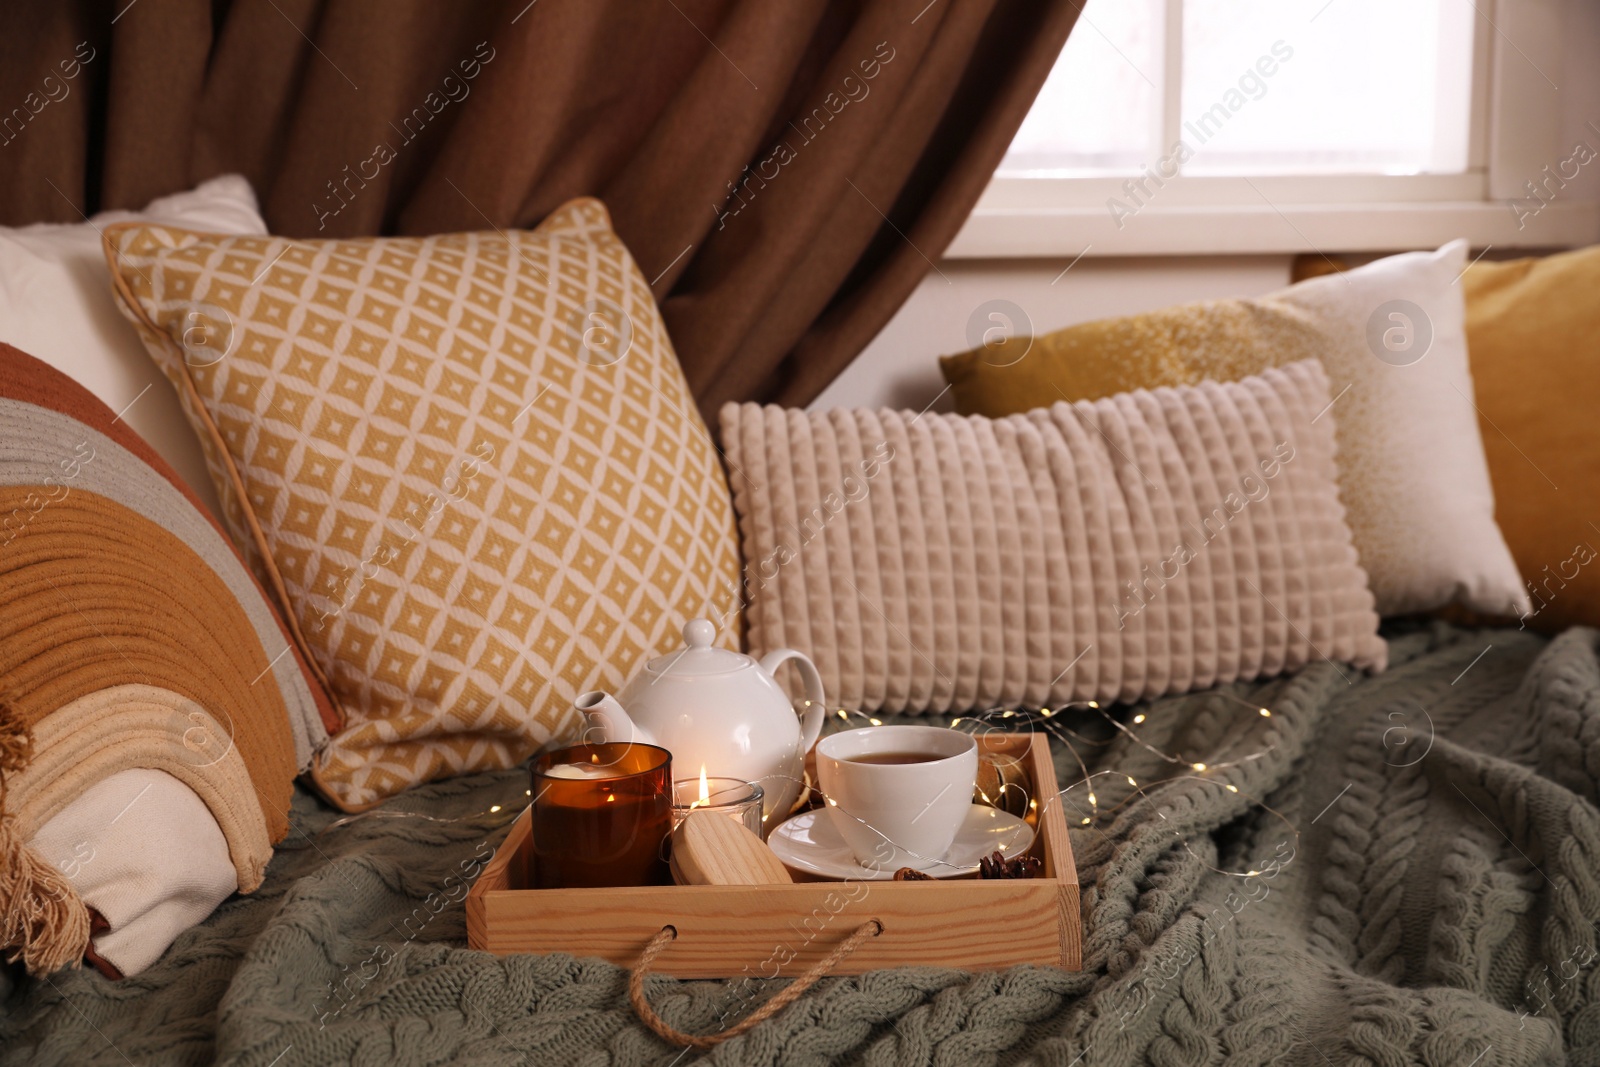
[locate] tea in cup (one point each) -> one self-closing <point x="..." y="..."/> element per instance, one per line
<point x="898" y="795"/>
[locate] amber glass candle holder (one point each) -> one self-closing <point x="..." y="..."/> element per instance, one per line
<point x="601" y="815"/>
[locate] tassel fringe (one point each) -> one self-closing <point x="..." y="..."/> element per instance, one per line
<point x="43" y="921"/>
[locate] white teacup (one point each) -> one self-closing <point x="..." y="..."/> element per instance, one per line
<point x="898" y="794"/>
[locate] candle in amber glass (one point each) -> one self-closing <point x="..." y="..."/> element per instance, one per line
<point x="600" y="816"/>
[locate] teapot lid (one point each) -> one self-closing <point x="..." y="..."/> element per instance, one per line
<point x="698" y="656"/>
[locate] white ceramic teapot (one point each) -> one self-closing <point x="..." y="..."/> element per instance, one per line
<point x="717" y="710"/>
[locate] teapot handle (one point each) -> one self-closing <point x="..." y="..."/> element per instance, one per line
<point x="816" y="702"/>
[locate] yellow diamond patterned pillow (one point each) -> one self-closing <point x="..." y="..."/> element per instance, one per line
<point x="469" y="465"/>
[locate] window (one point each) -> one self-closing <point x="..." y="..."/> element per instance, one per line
<point x="1176" y="126"/>
<point x="1255" y="87"/>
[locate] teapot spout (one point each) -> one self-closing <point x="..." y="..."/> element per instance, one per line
<point x="608" y="722"/>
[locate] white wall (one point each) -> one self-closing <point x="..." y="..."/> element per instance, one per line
<point x="900" y="368"/>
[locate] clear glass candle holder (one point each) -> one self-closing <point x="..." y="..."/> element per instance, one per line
<point x="730" y="797"/>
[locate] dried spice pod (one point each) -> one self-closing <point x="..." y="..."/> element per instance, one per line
<point x="911" y="874"/>
<point x="996" y="865"/>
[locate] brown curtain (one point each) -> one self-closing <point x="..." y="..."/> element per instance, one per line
<point x="785" y="171"/>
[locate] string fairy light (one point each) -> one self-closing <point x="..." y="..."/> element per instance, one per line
<point x="1046" y="719"/>
<point x="1049" y="721"/>
<point x="384" y="813"/>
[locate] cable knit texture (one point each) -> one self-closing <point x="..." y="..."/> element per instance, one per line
<point x="1117" y="549"/>
<point x="1429" y="849"/>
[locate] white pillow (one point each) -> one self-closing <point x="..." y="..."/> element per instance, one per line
<point x="1413" y="474"/>
<point x="56" y="305"/>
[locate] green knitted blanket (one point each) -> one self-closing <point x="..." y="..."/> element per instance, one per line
<point x="1428" y="845"/>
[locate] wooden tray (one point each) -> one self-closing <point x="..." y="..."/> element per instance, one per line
<point x="780" y="930"/>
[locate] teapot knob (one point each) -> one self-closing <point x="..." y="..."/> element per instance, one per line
<point x="699" y="633"/>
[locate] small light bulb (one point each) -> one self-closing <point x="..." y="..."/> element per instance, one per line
<point x="842" y="715"/>
<point x="1137" y="719"/>
<point x="1265" y="714"/>
<point x="494" y="809"/>
<point x="1132" y="782"/>
<point x="1092" y="799"/>
<point x="876" y="722"/>
<point x="1251" y="874"/>
<point x="1086" y="821"/>
<point x="1199" y="766"/>
<point x="1034" y="804"/>
<point x="1233" y="789"/>
<point x="1094" y="703"/>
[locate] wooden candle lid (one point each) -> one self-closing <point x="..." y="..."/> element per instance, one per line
<point x="711" y="849"/>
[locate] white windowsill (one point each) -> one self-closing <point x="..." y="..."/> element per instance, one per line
<point x="995" y="232"/>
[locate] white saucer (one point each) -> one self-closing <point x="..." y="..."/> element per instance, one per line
<point x="810" y="843"/>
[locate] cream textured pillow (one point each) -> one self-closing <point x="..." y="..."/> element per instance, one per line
<point x="469" y="463"/>
<point x="1119" y="549"/>
<point x="56" y="304"/>
<point x="1412" y="472"/>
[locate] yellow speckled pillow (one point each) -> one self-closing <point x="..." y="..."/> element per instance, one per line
<point x="1412" y="474"/>
<point x="468" y="464"/>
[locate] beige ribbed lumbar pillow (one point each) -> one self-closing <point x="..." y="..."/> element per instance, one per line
<point x="1117" y="549"/>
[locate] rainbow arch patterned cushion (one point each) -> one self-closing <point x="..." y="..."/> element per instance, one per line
<point x="131" y="636"/>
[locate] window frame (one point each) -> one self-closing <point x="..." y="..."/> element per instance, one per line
<point x="1514" y="128"/>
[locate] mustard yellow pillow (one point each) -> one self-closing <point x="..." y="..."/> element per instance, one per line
<point x="1412" y="475"/>
<point x="469" y="465"/>
<point x="1223" y="340"/>
<point x="1533" y="331"/>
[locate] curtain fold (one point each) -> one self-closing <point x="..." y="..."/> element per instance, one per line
<point x="785" y="173"/>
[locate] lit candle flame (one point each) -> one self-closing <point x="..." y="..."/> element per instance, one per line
<point x="611" y="798"/>
<point x="705" y="790"/>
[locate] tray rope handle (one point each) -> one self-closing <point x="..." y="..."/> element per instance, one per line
<point x="667" y="934"/>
